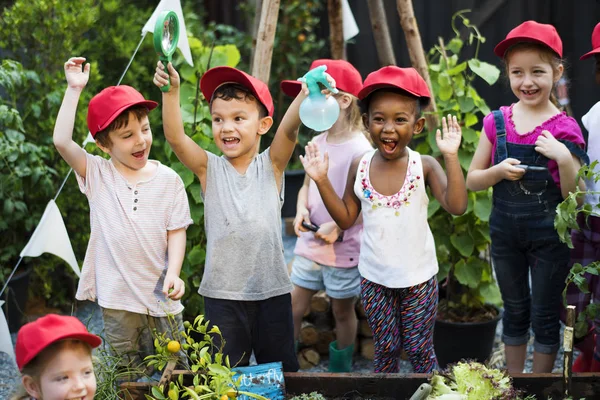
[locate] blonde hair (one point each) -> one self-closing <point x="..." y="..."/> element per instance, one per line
<point x="353" y="115"/>
<point x="37" y="365"/>
<point x="545" y="53"/>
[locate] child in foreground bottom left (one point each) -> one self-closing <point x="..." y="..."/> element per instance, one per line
<point x="54" y="356"/>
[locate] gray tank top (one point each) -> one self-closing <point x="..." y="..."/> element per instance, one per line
<point x="242" y="218"/>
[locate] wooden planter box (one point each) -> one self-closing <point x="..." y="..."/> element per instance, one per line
<point x="401" y="386"/>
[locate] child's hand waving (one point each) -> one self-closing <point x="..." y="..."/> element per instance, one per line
<point x="315" y="166"/>
<point x="449" y="142"/>
<point x="76" y="77"/>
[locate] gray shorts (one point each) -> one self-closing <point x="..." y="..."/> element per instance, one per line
<point x="129" y="335"/>
<point x="338" y="283"/>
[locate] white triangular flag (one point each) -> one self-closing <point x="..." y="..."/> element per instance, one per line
<point x="88" y="139"/>
<point x="183" y="44"/>
<point x="349" y="23"/>
<point x="6" y="345"/>
<point x="51" y="236"/>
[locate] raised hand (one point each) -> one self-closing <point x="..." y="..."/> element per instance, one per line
<point x="77" y="77"/>
<point x="547" y="145"/>
<point x="161" y="76"/>
<point x="448" y="140"/>
<point x="315" y="166"/>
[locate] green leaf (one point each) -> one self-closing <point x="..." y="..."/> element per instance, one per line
<point x="186" y="175"/>
<point x="470" y="119"/>
<point x="465" y="157"/>
<point x="445" y="92"/>
<point x="455" y="45"/>
<point x="466" y="104"/>
<point x="483" y="208"/>
<point x="463" y="242"/>
<point x="196" y="191"/>
<point x="457" y="69"/>
<point x="468" y="274"/>
<point x="470" y="135"/>
<point x="485" y="71"/>
<point x="218" y="369"/>
<point x="433" y="207"/>
<point x="491" y="293"/>
<point x="197" y="255"/>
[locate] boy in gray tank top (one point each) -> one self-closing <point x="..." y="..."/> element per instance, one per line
<point x="246" y="287"/>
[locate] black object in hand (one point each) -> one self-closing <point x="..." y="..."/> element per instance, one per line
<point x="531" y="167"/>
<point x="310" y="227"/>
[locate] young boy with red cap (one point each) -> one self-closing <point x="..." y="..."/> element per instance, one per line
<point x="328" y="258"/>
<point x="54" y="355"/>
<point x="139" y="213"/>
<point x="245" y="285"/>
<point x="398" y="262"/>
<point x="529" y="152"/>
<point x="586" y="241"/>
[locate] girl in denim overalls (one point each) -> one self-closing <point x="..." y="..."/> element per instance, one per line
<point x="534" y="151"/>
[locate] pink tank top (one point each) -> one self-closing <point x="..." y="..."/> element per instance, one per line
<point x="342" y="254"/>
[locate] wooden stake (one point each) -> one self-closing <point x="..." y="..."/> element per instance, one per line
<point x="166" y="376"/>
<point x="263" y="54"/>
<point x="381" y="33"/>
<point x="568" y="350"/>
<point x="255" y="26"/>
<point x="336" y="29"/>
<point x="417" y="54"/>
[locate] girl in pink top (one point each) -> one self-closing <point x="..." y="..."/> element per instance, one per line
<point x="529" y="153"/>
<point x="327" y="258"/>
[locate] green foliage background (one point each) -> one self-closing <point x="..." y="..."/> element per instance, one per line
<point x="36" y="38"/>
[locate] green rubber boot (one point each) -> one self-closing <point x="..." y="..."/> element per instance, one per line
<point x="340" y="360"/>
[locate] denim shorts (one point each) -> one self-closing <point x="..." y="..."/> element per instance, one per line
<point x="338" y="283"/>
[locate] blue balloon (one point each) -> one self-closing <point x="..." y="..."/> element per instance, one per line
<point x="319" y="113"/>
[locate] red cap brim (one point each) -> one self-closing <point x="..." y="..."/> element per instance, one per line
<point x="590" y="54"/>
<point x="91" y="339"/>
<point x="217" y="76"/>
<point x="290" y="88"/>
<point x="149" y="104"/>
<point x="501" y="47"/>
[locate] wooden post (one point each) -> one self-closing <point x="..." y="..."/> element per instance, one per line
<point x="381" y="33"/>
<point x="261" y="63"/>
<point x="568" y="350"/>
<point x="336" y="29"/>
<point x="417" y="54"/>
<point x="255" y="26"/>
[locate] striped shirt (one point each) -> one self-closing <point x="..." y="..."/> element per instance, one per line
<point x="126" y="259"/>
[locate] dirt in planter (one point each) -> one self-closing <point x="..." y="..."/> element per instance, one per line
<point x="460" y="313"/>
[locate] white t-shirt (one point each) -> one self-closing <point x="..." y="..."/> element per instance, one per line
<point x="126" y="259"/>
<point x="397" y="248"/>
<point x="591" y="122"/>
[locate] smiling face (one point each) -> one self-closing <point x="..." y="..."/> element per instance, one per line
<point x="532" y="73"/>
<point x="392" y="120"/>
<point x="129" y="142"/>
<point x="67" y="373"/>
<point x="237" y="124"/>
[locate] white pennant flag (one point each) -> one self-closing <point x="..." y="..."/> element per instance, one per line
<point x="349" y="23"/>
<point x="183" y="44"/>
<point x="88" y="139"/>
<point x="51" y="236"/>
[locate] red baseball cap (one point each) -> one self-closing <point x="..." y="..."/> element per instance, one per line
<point x="407" y="79"/>
<point x="107" y="105"/>
<point x="347" y="78"/>
<point x="595" y="43"/>
<point x="531" y="31"/>
<point x="217" y="76"/>
<point x="39" y="334"/>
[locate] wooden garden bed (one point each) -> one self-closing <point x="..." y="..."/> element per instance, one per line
<point x="402" y="386"/>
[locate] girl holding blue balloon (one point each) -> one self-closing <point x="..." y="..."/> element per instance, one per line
<point x="325" y="257"/>
<point x="398" y="262"/>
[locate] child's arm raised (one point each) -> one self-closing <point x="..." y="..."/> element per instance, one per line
<point x="481" y="176"/>
<point x="69" y="150"/>
<point x="448" y="189"/>
<point x="188" y="152"/>
<point x="343" y="211"/>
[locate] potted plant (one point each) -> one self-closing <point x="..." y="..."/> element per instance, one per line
<point x="469" y="294"/>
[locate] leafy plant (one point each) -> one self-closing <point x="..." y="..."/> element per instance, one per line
<point x="462" y="241"/>
<point x="565" y="221"/>
<point x="213" y="377"/>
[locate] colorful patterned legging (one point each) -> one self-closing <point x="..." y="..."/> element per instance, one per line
<point x="402" y="318"/>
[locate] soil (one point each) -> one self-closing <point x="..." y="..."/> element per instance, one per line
<point x="460" y="313"/>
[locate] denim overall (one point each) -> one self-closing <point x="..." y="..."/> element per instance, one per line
<point x="524" y="241"/>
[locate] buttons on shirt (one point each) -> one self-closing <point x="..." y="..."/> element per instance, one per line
<point x="135" y="200"/>
<point x="134" y="208"/>
<point x="136" y="192"/>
